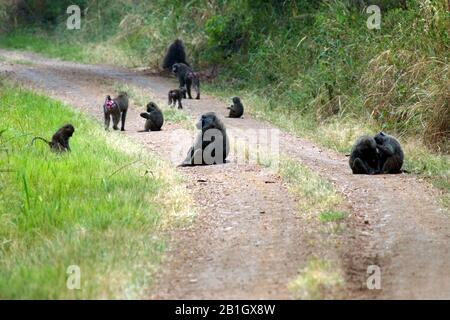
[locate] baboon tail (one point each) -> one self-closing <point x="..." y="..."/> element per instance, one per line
<point x="40" y="138"/>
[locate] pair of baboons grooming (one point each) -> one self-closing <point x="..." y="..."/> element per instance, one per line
<point x="376" y="155"/>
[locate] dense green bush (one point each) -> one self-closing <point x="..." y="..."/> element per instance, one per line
<point x="44" y="11"/>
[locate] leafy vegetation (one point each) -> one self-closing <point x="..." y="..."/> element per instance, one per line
<point x="58" y="210"/>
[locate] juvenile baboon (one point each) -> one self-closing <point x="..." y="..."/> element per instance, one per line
<point x="390" y="153"/>
<point x="364" y="156"/>
<point x="60" y="140"/>
<point x="236" y="109"/>
<point x="154" y="116"/>
<point x="175" y="54"/>
<point x="187" y="77"/>
<point x="211" y="145"/>
<point x="117" y="109"/>
<point x="176" y="95"/>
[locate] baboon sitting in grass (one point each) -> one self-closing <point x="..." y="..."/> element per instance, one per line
<point x="60" y="140"/>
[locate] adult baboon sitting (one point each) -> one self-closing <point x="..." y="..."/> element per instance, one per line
<point x="211" y="145"/>
<point x="175" y="54"/>
<point x="236" y="109"/>
<point x="154" y="116"/>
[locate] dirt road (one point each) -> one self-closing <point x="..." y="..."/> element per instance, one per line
<point x="249" y="240"/>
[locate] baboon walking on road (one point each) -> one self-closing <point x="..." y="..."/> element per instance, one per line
<point x="117" y="109"/>
<point x="186" y="78"/>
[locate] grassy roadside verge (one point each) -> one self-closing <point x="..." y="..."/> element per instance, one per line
<point x="28" y="41"/>
<point x="101" y="207"/>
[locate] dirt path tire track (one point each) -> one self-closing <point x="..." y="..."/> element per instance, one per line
<point x="246" y="244"/>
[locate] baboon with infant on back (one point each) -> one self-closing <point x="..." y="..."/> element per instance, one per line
<point x="187" y="78"/>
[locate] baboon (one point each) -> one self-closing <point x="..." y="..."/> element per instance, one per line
<point x="211" y="145"/>
<point x="236" y="109"/>
<point x="117" y="109"/>
<point x="195" y="81"/>
<point x="154" y="117"/>
<point x="187" y="77"/>
<point x="175" y="54"/>
<point x="364" y="156"/>
<point x="60" y="140"/>
<point x="390" y="153"/>
<point x="176" y="95"/>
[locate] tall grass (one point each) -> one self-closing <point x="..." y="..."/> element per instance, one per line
<point x="100" y="207"/>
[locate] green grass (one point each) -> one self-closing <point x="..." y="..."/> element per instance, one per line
<point x="31" y="40"/>
<point x="315" y="194"/>
<point x="331" y="216"/>
<point x="319" y="279"/>
<point x="101" y="207"/>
